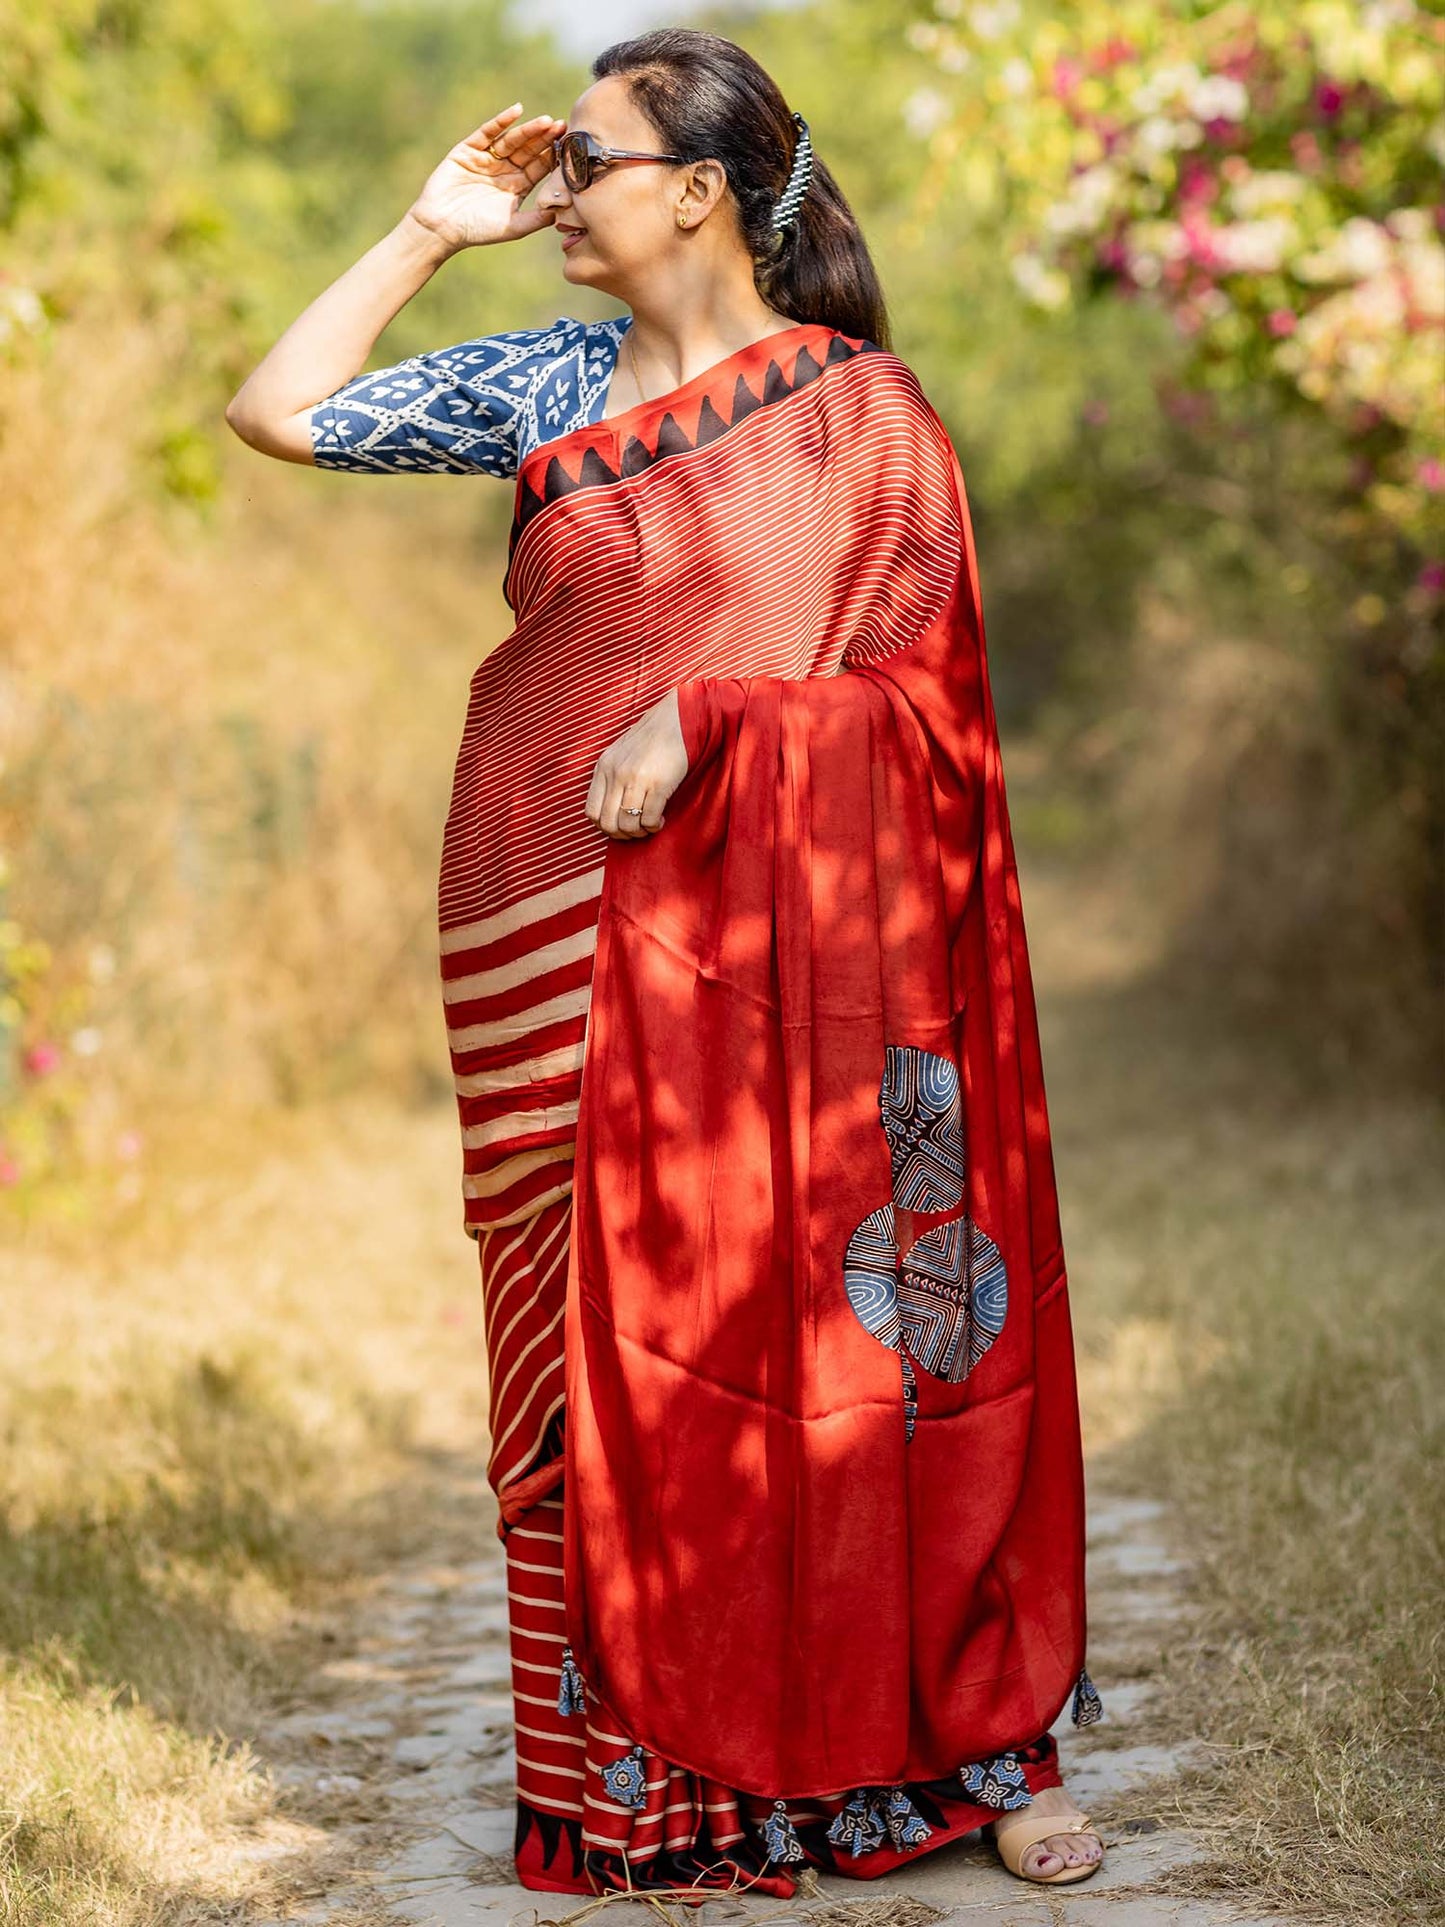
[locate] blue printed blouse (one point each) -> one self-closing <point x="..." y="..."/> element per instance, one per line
<point x="478" y="408"/>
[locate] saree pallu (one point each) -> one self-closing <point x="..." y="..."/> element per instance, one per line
<point x="784" y="1431"/>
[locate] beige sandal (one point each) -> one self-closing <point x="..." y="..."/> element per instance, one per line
<point x="1026" y="1830"/>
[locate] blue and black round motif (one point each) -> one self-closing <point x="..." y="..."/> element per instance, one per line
<point x="947" y="1303"/>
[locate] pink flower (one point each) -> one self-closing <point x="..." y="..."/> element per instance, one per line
<point x="1199" y="233"/>
<point x="1432" y="577"/>
<point x="1110" y="132"/>
<point x="1117" y="51"/>
<point x="1329" y="98"/>
<point x="129" y="1144"/>
<point x="1281" y="321"/>
<point x="41" y="1058"/>
<point x="1066" y="76"/>
<point x="1113" y="254"/>
<point x="1237" y="61"/>
<point x="1306" y="150"/>
<point x="9" y="1169"/>
<point x="1430" y="474"/>
<point x="1095" y="413"/>
<point x="1197" y="183"/>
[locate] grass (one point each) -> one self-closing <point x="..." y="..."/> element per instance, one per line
<point x="1257" y="1277"/>
<point x="217" y="1436"/>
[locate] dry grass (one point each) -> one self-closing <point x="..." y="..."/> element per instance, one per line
<point x="224" y="757"/>
<point x="1257" y="1279"/>
<point x="226" y="749"/>
<point x="218" y="1434"/>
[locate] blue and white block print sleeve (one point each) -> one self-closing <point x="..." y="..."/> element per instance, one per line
<point x="450" y="411"/>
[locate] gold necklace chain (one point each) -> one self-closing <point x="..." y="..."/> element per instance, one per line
<point x="632" y="356"/>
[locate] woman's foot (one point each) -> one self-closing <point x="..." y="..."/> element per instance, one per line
<point x="1057" y="1850"/>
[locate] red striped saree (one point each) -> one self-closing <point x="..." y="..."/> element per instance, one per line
<point x="783" y="1421"/>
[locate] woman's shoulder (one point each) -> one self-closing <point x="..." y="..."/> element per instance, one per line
<point x="563" y="338"/>
<point x="522" y="356"/>
<point x="561" y="371"/>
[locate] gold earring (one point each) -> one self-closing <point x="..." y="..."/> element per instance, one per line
<point x="682" y="220"/>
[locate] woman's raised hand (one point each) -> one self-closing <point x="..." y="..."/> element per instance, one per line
<point x="475" y="196"/>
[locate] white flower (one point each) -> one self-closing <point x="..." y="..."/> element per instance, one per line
<point x="1411" y="224"/>
<point x="1220" y="98"/>
<point x="1361" y="248"/>
<point x="1255" y="247"/>
<point x="1154" y="135"/>
<point x="1267" y="189"/>
<point x="86" y="1042"/>
<point x="924" y="110"/>
<point x="1016" y="77"/>
<point x="1046" y="287"/>
<point x="20" y="308"/>
<point x="991" y="22"/>
<point x="1090" y="196"/>
<point x="1165" y="84"/>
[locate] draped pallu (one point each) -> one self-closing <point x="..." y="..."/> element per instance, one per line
<point x="823" y="1522"/>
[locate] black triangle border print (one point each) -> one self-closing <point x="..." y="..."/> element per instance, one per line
<point x="673" y="437"/>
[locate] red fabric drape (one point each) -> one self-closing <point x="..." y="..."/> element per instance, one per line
<point x="818" y="1535"/>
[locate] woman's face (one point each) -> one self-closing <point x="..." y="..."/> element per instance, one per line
<point x="622" y="224"/>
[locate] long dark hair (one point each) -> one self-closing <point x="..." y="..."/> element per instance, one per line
<point x="710" y="100"/>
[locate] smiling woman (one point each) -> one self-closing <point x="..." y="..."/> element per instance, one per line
<point x="755" y="1146"/>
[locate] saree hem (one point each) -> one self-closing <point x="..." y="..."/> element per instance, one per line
<point x="551" y="1853"/>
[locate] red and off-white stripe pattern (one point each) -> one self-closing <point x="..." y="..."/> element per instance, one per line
<point x="560" y="1756"/>
<point x="726" y="559"/>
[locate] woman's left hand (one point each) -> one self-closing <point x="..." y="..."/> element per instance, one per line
<point x="640" y="770"/>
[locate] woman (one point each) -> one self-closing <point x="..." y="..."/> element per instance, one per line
<point x="728" y="827"/>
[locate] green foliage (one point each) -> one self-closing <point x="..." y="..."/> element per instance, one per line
<point x="209" y="164"/>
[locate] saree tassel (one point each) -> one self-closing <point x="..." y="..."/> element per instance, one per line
<point x="875" y="1816"/>
<point x="571" y="1695"/>
<point x="910" y="1395"/>
<point x="999" y="1783"/>
<point x="780" y="1836"/>
<point x="857" y="1825"/>
<point x="906" y="1825"/>
<point x="1088" y="1706"/>
<point x="626" y="1779"/>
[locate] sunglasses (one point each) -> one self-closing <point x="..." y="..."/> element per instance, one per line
<point x="582" y="159"/>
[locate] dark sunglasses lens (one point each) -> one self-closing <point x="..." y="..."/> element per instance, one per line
<point x="576" y="164"/>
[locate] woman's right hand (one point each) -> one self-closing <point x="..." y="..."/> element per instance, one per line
<point x="475" y="196"/>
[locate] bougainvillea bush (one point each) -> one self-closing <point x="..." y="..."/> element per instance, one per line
<point x="1268" y="177"/>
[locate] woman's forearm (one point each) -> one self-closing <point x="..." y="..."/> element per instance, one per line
<point x="329" y="343"/>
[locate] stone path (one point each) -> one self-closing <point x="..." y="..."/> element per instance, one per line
<point x="420" y="1749"/>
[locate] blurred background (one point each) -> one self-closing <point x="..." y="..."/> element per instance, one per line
<point x="1174" y="275"/>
